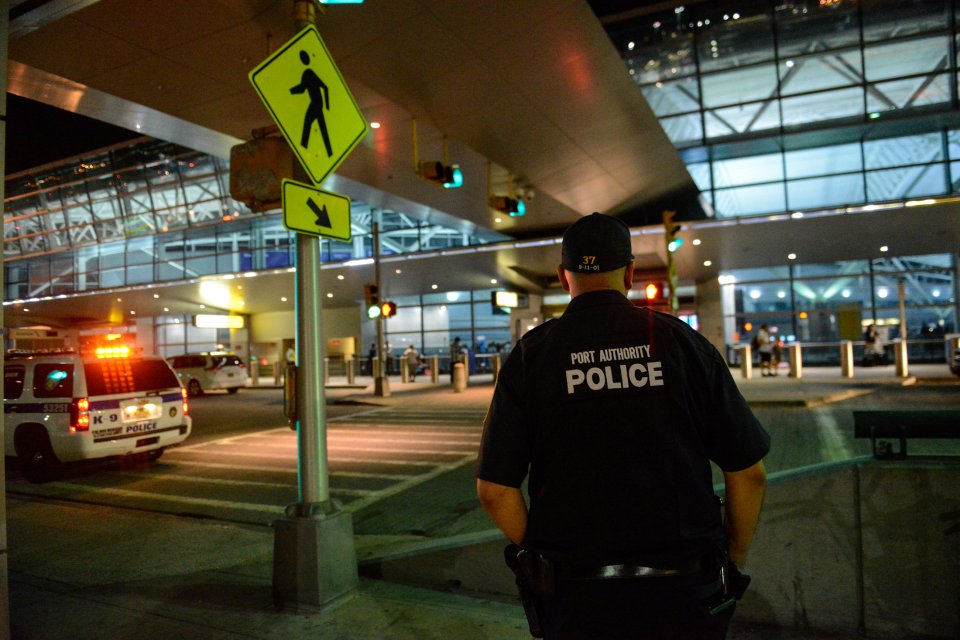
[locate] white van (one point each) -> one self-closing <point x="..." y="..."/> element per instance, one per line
<point x="200" y="372"/>
<point x="63" y="407"/>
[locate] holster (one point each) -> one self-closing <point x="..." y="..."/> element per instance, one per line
<point x="733" y="584"/>
<point x="532" y="584"/>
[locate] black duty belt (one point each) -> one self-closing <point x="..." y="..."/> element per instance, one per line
<point x="627" y="571"/>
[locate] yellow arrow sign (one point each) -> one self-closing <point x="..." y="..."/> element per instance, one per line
<point x="310" y="102"/>
<point x="316" y="212"/>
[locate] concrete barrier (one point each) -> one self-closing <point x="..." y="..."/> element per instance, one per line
<point x="842" y="548"/>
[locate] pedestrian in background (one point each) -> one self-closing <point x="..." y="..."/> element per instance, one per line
<point x="616" y="412"/>
<point x="412" y="359"/>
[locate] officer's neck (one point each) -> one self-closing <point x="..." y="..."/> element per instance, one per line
<point x="579" y="284"/>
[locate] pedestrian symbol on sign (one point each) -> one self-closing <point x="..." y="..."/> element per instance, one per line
<point x="319" y="99"/>
<point x="308" y="99"/>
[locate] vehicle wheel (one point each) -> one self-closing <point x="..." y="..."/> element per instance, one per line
<point x="38" y="462"/>
<point x="194" y="389"/>
<point x="154" y="454"/>
<point x="233" y="390"/>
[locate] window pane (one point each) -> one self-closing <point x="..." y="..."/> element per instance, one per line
<point x="749" y="170"/>
<point x="739" y="85"/>
<point x="893" y="152"/>
<point x="678" y="96"/>
<point x="742" y="119"/>
<point x="742" y="41"/>
<point x="908" y="93"/>
<point x="836" y="26"/>
<point x="828" y="105"/>
<point x="894" y="184"/>
<point x="906" y="57"/>
<point x="827" y="70"/>
<point x="817" y="193"/>
<point x="823" y="161"/>
<point x="683" y="129"/>
<point x="700" y="172"/>
<point x="885" y="18"/>
<point x="750" y="200"/>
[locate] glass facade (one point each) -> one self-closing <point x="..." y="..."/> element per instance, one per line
<point x="812" y="105"/>
<point x="823" y="304"/>
<point x="431" y="322"/>
<point x="155" y="212"/>
<point x="773" y="77"/>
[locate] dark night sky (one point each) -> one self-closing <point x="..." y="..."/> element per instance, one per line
<point x="38" y="134"/>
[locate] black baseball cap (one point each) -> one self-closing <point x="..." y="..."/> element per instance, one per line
<point x="596" y="243"/>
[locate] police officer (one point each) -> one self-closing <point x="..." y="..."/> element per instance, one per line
<point x="616" y="411"/>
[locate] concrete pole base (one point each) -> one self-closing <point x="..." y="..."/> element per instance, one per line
<point x="314" y="561"/>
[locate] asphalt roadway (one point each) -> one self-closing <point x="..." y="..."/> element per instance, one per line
<point x="82" y="571"/>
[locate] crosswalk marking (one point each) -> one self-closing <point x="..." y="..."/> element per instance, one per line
<point x="371" y="456"/>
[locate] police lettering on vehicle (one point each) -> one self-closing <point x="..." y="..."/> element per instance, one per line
<point x="629" y="367"/>
<point x="141" y="427"/>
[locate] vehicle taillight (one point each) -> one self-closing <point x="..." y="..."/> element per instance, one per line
<point x="186" y="405"/>
<point x="80" y="415"/>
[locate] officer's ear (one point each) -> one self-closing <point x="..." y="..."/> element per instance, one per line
<point x="628" y="276"/>
<point x="562" y="274"/>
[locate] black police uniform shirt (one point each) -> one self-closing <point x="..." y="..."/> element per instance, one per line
<point x="616" y="411"/>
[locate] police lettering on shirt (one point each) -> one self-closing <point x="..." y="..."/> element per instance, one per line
<point x="624" y="370"/>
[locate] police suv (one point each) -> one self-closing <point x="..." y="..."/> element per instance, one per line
<point x="63" y="407"/>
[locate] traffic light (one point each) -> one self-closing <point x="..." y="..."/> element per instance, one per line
<point x="511" y="206"/>
<point x="449" y="176"/>
<point x="671" y="229"/>
<point x="371" y="299"/>
<point x="388" y="309"/>
<point x="652" y="291"/>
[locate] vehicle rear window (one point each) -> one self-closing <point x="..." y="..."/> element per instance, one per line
<point x="125" y="375"/>
<point x="53" y="380"/>
<point x="13" y="381"/>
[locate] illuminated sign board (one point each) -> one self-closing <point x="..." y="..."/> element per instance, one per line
<point x="506" y="299"/>
<point x="209" y="321"/>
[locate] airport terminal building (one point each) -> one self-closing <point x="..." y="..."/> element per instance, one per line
<point x="819" y="142"/>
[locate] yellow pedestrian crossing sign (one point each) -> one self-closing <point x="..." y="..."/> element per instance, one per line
<point x="316" y="212"/>
<point x="310" y="102"/>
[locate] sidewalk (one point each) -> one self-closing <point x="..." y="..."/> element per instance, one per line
<point x="83" y="571"/>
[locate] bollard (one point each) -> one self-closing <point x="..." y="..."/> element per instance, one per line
<point x="351" y="377"/>
<point x="846" y="358"/>
<point x="496" y="366"/>
<point x="796" y="362"/>
<point x="746" y="361"/>
<point x="459" y="377"/>
<point x="434" y="369"/>
<point x="404" y="370"/>
<point x="277" y="374"/>
<point x="900" y="358"/>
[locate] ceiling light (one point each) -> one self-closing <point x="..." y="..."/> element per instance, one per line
<point x="781" y="294"/>
<point x="708" y="263"/>
<point x="398" y="271"/>
<point x="754" y="294"/>
<point x="340" y="277"/>
<point x="883" y="292"/>
<point x="329" y="295"/>
<point x="433" y="286"/>
<point x="696" y="242"/>
<point x="791" y="256"/>
<point x="884" y="248"/>
<point x="374" y="125"/>
<point x="493" y="281"/>
<point x="283" y="298"/>
<point x="166" y="309"/>
<point x="156" y="296"/>
<point x="845" y="293"/>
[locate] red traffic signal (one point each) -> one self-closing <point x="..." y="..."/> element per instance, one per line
<point x="388" y="309"/>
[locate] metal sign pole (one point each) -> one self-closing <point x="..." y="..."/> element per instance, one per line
<point x="381" y="383"/>
<point x="314" y="487"/>
<point x="314" y="559"/>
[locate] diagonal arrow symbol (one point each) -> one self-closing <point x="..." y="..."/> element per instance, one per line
<point x="323" y="218"/>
